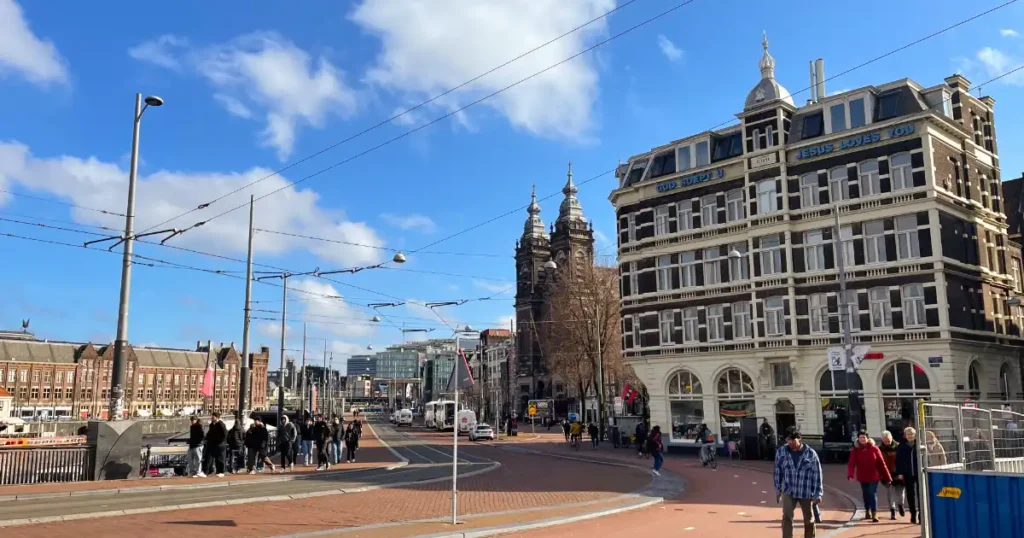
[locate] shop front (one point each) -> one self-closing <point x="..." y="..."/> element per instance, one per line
<point x="686" y="405"/>
<point x="735" y="391"/>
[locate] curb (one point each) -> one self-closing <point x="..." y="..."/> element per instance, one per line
<point x="211" y="504"/>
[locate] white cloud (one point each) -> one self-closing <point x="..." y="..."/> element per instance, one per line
<point x="233" y="106"/>
<point x="165" y="194"/>
<point x="267" y="71"/>
<point x="669" y="49"/>
<point x="493" y="286"/>
<point x="1008" y="33"/>
<point x="837" y="92"/>
<point x="271" y="329"/>
<point x="338" y="317"/>
<point x="426" y="51"/>
<point x="21" y="51"/>
<point x="420" y="223"/>
<point x="997" y="62"/>
<point x="601" y="237"/>
<point x="163" y="51"/>
<point x="506" y="322"/>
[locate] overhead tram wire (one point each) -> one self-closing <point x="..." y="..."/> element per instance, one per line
<point x="439" y="118"/>
<point x="400" y="114"/>
<point x="376" y="247"/>
<point x="845" y="72"/>
<point x="62" y="202"/>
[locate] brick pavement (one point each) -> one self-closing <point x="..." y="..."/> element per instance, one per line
<point x="523" y="481"/>
<point x="372" y="454"/>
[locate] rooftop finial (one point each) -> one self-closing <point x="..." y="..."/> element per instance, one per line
<point x="767" y="63"/>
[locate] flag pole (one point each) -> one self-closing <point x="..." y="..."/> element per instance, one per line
<point x="455" y="436"/>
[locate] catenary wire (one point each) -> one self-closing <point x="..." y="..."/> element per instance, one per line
<point x="62" y="202"/>
<point x="376" y="247"/>
<point x="403" y="113"/>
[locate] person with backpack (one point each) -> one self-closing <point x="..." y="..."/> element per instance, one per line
<point x="287" y="434"/>
<point x="351" y="443"/>
<point x="655" y="448"/>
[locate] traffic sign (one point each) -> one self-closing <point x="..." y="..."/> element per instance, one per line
<point x="532" y="410"/>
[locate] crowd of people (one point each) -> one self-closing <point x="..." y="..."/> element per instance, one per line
<point x="217" y="449"/>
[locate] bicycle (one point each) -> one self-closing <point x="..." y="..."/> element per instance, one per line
<point x="711" y="460"/>
<point x="575" y="442"/>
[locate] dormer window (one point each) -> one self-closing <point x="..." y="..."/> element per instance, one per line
<point x="636" y="173"/>
<point x="728" y="146"/>
<point x="702" y="153"/>
<point x="814" y="125"/>
<point x="888" y="105"/>
<point x="663" y="165"/>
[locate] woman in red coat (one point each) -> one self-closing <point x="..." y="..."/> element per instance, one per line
<point x="867" y="466"/>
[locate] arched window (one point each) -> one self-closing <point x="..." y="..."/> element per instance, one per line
<point x="973" y="381"/>
<point x="835" y="405"/>
<point x="903" y="383"/>
<point x="735" y="401"/>
<point x="685" y="394"/>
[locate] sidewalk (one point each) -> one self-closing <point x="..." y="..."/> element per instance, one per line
<point x="372" y="454"/>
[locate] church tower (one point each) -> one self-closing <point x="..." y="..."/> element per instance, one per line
<point x="533" y="250"/>
<point x="572" y="237"/>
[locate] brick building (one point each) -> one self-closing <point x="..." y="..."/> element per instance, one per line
<point x="730" y="293"/>
<point x="66" y="379"/>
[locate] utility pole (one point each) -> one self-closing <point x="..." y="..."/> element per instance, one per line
<point x="600" y="381"/>
<point x="302" y="376"/>
<point x="243" y="376"/>
<point x="280" y="371"/>
<point x="853" y="399"/>
<point x="323" y="399"/>
<point x="117" y="378"/>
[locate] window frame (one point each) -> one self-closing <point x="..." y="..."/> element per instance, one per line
<point x="708" y="219"/>
<point x="773" y="201"/>
<point x="880" y="307"/>
<point x="772" y="254"/>
<point x="814" y="250"/>
<point x="691" y="326"/>
<point x="832" y="117"/>
<point x="741" y="318"/>
<point x="913" y="306"/>
<point x="852" y="310"/>
<point x="819" y="125"/>
<point x="817" y="313"/>
<point x="684" y="215"/>
<point x="735" y="209"/>
<point x="810" y="191"/>
<point x="712" y="261"/>
<point x="838" y="187"/>
<point x="776" y="315"/>
<point x="688" y="280"/>
<point x="716" y="323"/>
<point x="775" y="369"/>
<point x="870" y="178"/>
<point x="909" y="235"/>
<point x="906" y="172"/>
<point x="874" y="243"/>
<point x="666" y="322"/>
<point x="741" y="264"/>
<point x="661" y="220"/>
<point x="846" y="246"/>
<point x="663" y="273"/>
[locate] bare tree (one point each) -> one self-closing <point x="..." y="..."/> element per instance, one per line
<point x="583" y="317"/>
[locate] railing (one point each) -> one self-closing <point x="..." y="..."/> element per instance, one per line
<point x="968" y="438"/>
<point x="39" y="464"/>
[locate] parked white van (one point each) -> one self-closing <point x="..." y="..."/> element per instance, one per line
<point x="405" y="417"/>
<point x="466" y="421"/>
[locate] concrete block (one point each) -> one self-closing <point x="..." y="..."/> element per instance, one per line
<point x="116" y="449"/>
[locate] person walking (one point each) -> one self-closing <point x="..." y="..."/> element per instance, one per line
<point x="351" y="443"/>
<point x="894" y="492"/>
<point x="337" y="433"/>
<point x="359" y="428"/>
<point x="256" y="438"/>
<point x="287" y="435"/>
<point x="236" y="446"/>
<point x="216" y="445"/>
<point x="867" y="466"/>
<point x="593" y="433"/>
<point x="194" y="457"/>
<point x="798" y="481"/>
<point x="908" y="469"/>
<point x="655" y="447"/>
<point x="321" y="438"/>
<point x="641" y="439"/>
<point x="306" y="433"/>
<point x="565" y="429"/>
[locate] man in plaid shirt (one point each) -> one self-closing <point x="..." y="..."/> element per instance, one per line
<point x="797" y="481"/>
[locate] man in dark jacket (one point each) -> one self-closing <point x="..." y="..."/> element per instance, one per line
<point x="194" y="457"/>
<point x="216" y="445"/>
<point x="321" y="437"/>
<point x="359" y="428"/>
<point x="351" y="443"/>
<point x="256" y="438"/>
<point x="908" y="469"/>
<point x="306" y="433"/>
<point x="287" y="435"/>
<point x="236" y="446"/>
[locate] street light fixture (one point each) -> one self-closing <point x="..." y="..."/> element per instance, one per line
<point x="735" y="254"/>
<point x="398" y="258"/>
<point x="376" y="319"/>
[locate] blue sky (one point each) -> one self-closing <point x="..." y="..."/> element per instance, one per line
<point x="250" y="91"/>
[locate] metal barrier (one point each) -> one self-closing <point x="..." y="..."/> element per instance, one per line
<point x="972" y="465"/>
<point x="35" y="465"/>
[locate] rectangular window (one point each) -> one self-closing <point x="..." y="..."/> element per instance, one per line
<point x="775" y="316"/>
<point x="712" y="267"/>
<point x="35" y="376"/>
<point x="814" y="250"/>
<point x="901" y="171"/>
<point x="907" y="244"/>
<point x="1016" y="273"/>
<point x="888" y="106"/>
<point x="688" y="271"/>
<point x="716" y="323"/>
<point x="874" y="242"/>
<point x="837" y="114"/>
<point x="769" y="137"/>
<point x="661" y="220"/>
<point x="846" y="245"/>
<point x="703" y="157"/>
<point x="734" y="205"/>
<point x="818" y="312"/>
<point x="665" y="327"/>
<point x="814" y="125"/>
<point x="867" y="177"/>
<point x="46" y="377"/>
<point x="46" y="393"/>
<point x="35" y="393"/>
<point x="856" y="113"/>
<point x="631" y="222"/>
<point x="913" y="305"/>
<point x="708" y="211"/>
<point x="838" y="184"/>
<point x="664" y="273"/>
<point x="689" y="325"/>
<point x="759" y="139"/>
<point x="766" y="199"/>
<point x="782" y="375"/>
<point x="636" y="331"/>
<point x="809" y="190"/>
<point x="684" y="215"/>
<point x="739" y="267"/>
<point x="683" y="158"/>
<point x="24" y="376"/>
<point x="741" y="320"/>
<point x="771" y="255"/>
<point x="10" y="375"/>
<point x="881" y="309"/>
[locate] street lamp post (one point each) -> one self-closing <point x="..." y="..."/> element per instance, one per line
<point x="117" y="379"/>
<point x="455" y="422"/>
<point x="844" y="317"/>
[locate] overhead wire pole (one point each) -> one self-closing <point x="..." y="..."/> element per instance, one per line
<point x="302" y="376"/>
<point x="280" y="374"/>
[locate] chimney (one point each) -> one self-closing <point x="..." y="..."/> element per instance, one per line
<point x="199" y="345"/>
<point x="232" y="345"/>
<point x="819" y="73"/>
<point x="814" y="85"/>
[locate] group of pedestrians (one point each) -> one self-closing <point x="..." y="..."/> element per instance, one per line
<point x="218" y="449"/>
<point x="894" y="465"/>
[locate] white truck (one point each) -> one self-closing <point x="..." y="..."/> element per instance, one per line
<point x="466" y="420"/>
<point x="404" y="417"/>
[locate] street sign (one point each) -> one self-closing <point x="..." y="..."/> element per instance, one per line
<point x="532" y="411"/>
<point x="617" y="405"/>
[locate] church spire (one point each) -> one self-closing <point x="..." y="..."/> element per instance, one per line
<point x="534" y="227"/>
<point x="570" y="210"/>
<point x="767" y="63"/>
